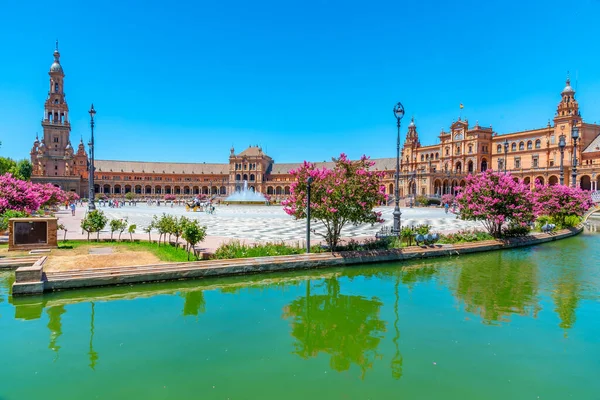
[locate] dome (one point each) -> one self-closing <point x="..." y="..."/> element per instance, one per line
<point x="55" y="67"/>
<point x="68" y="146"/>
<point x="412" y="123"/>
<point x="568" y="88"/>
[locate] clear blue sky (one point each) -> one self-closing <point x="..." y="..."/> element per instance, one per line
<point x="185" y="80"/>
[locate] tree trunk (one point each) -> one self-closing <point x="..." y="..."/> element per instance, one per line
<point x="98" y="236"/>
<point x="65" y="237"/>
<point x="120" y="236"/>
<point x="88" y="236"/>
<point x="130" y="237"/>
<point x="111" y="235"/>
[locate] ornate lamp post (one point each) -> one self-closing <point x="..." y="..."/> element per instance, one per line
<point x="91" y="168"/>
<point x="505" y="154"/>
<point x="398" y="113"/>
<point x="308" y="183"/>
<point x="561" y="145"/>
<point x="574" y="136"/>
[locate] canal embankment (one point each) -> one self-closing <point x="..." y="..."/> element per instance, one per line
<point x="33" y="280"/>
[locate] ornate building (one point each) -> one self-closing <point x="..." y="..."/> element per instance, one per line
<point x="430" y="170"/>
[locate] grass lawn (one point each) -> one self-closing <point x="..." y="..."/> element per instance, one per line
<point x="163" y="252"/>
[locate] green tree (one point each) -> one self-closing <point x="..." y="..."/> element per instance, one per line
<point x="94" y="221"/>
<point x="63" y="228"/>
<point x="131" y="231"/>
<point x="193" y="233"/>
<point x="23" y="170"/>
<point x="7" y="165"/>
<point x="130" y="196"/>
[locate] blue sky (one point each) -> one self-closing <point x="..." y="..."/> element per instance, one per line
<point x="184" y="81"/>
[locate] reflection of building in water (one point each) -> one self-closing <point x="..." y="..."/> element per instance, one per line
<point x="55" y="326"/>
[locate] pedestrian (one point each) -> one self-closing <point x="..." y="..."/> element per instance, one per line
<point x="446" y="207"/>
<point x="73" y="209"/>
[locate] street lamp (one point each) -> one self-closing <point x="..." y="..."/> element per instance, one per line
<point x="308" y="183"/>
<point x="575" y="136"/>
<point x="92" y="170"/>
<point x="505" y="154"/>
<point x="398" y="113"/>
<point x="561" y="145"/>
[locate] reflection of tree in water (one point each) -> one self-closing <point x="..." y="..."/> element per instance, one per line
<point x="346" y="327"/>
<point x="495" y="286"/>
<point x="92" y="353"/>
<point x="55" y="327"/>
<point x="194" y="303"/>
<point x="566" y="295"/>
<point x="6" y="281"/>
<point x="397" y="360"/>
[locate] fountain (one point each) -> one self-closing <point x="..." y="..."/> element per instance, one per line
<point x="247" y="197"/>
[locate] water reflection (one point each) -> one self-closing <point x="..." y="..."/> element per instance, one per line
<point x="346" y="327"/>
<point x="498" y="284"/>
<point x="55" y="327"/>
<point x="194" y="303"/>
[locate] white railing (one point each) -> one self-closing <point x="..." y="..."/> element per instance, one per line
<point x="596" y="196"/>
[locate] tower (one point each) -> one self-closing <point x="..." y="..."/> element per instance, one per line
<point x="568" y="108"/>
<point x="53" y="157"/>
<point x="412" y="137"/>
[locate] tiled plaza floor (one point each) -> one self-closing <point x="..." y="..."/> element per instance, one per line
<point x="270" y="223"/>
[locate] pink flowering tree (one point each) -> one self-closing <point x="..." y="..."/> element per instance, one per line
<point x="448" y="199"/>
<point x="560" y="201"/>
<point x="345" y="194"/>
<point x="72" y="196"/>
<point x="495" y="199"/>
<point x="50" y="195"/>
<point x="18" y="195"/>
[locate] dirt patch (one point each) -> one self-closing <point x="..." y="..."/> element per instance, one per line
<point x="65" y="260"/>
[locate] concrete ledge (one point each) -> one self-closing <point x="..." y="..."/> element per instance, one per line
<point x="212" y="268"/>
<point x="27" y="288"/>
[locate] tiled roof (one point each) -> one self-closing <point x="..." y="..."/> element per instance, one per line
<point x="594" y="146"/>
<point x="160" y="167"/>
<point x="252" y="151"/>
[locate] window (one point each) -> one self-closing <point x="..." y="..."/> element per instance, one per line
<point x="55" y="139"/>
<point x="499" y="148"/>
<point x="56" y="87"/>
<point x="534" y="161"/>
<point x="517" y="162"/>
<point x="500" y="164"/>
<point x="422" y="157"/>
<point x="447" y="151"/>
<point x="470" y="149"/>
<point x="56" y="167"/>
<point x="538" y="144"/>
<point x="529" y="145"/>
<point x="552" y="139"/>
<point x="521" y="146"/>
<point x="513" y="147"/>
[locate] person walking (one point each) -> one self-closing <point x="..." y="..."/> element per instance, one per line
<point x="72" y="209"/>
<point x="446" y="207"/>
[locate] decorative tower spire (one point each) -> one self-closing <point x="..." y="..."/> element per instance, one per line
<point x="412" y="136"/>
<point x="568" y="108"/>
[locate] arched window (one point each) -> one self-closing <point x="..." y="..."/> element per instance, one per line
<point x="470" y="149"/>
<point x="422" y="157"/>
<point x="529" y="145"/>
<point x="513" y="147"/>
<point x="521" y="146"/>
<point x="56" y="87"/>
<point x="499" y="148"/>
<point x="251" y="177"/>
<point x="483" y="165"/>
<point x="538" y="144"/>
<point x="238" y="177"/>
<point x="245" y="177"/>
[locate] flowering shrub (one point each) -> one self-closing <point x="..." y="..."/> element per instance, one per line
<point x="560" y="202"/>
<point x="345" y="194"/>
<point x="448" y="199"/>
<point x="495" y="199"/>
<point x="72" y="196"/>
<point x="51" y="195"/>
<point x="170" y="197"/>
<point x="18" y="195"/>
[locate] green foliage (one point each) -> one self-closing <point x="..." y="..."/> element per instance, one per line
<point x="422" y="229"/>
<point x="117" y="225"/>
<point x="237" y="249"/>
<point x="8" y="214"/>
<point x="193" y="233"/>
<point x="94" y="221"/>
<point x="130" y="196"/>
<point x="570" y="221"/>
<point x="100" y="196"/>
<point x="20" y="170"/>
<point x="543" y="220"/>
<point x="407" y="235"/>
<point x="422" y="200"/>
<point x="465" y="236"/>
<point x="515" y="230"/>
<point x="63" y="228"/>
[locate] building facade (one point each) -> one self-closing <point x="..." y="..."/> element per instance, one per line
<point x="430" y="170"/>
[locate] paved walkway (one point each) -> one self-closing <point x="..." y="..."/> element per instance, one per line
<point x="256" y="223"/>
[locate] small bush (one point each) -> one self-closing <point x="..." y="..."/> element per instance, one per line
<point x="237" y="249"/>
<point x="465" y="236"/>
<point x="423" y="229"/>
<point x="433" y="202"/>
<point x="516" y="230"/>
<point x="571" y="221"/>
<point x="8" y="214"/>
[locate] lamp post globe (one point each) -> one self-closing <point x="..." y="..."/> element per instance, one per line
<point x="398" y="114"/>
<point x="91" y="169"/>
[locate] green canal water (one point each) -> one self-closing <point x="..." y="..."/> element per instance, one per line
<point x="520" y="324"/>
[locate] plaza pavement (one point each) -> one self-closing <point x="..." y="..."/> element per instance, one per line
<point x="256" y="223"/>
